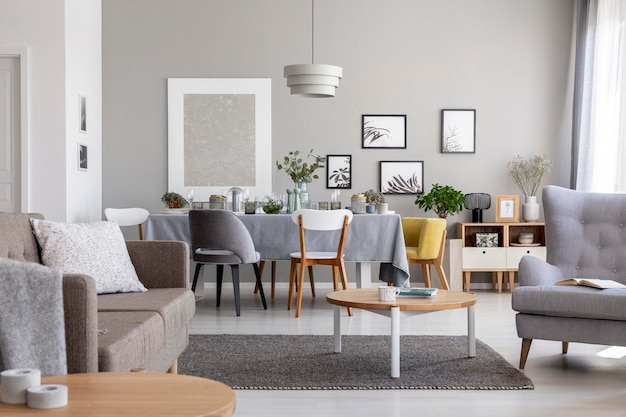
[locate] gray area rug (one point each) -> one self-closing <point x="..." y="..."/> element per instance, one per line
<point x="280" y="362"/>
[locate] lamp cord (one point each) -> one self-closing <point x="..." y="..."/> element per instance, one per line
<point x="312" y="31"/>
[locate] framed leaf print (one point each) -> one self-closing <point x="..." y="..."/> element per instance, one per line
<point x="402" y="177"/>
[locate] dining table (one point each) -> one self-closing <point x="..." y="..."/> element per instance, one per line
<point x="372" y="239"/>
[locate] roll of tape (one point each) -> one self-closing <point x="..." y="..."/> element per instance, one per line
<point x="15" y="382"/>
<point x="47" y="396"/>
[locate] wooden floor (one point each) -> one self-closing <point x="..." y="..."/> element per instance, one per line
<point x="577" y="384"/>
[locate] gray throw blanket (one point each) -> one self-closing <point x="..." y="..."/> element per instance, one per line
<point x="32" y="327"/>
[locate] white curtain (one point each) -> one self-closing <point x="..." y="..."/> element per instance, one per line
<point x="600" y="112"/>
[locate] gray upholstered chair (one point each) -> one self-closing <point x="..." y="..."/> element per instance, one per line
<point x="586" y="238"/>
<point x="219" y="238"/>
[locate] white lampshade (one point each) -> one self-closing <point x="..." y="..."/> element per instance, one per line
<point x="313" y="80"/>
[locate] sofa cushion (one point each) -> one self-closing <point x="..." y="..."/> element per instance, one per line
<point x="97" y="249"/>
<point x="17" y="240"/>
<point x="577" y="302"/>
<point x="176" y="306"/>
<point x="130" y="339"/>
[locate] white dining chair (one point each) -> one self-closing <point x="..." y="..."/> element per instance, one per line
<point x="323" y="221"/>
<point x="128" y="217"/>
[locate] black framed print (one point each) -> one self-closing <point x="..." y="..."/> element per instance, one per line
<point x="339" y="171"/>
<point x="402" y="177"/>
<point x="458" y="131"/>
<point x="82" y="157"/>
<point x="383" y="131"/>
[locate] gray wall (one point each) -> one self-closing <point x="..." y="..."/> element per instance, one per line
<point x="508" y="59"/>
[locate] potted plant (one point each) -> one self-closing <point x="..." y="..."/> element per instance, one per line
<point x="527" y="174"/>
<point x="301" y="173"/>
<point x="173" y="200"/>
<point x="377" y="199"/>
<point x="443" y="200"/>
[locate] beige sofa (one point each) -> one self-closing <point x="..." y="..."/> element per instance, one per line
<point x="137" y="330"/>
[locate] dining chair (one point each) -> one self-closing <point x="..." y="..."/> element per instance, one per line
<point x="273" y="278"/>
<point x="325" y="221"/>
<point x="128" y="217"/>
<point x="425" y="240"/>
<point x="219" y="238"/>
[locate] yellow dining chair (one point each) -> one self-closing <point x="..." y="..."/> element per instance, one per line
<point x="425" y="239"/>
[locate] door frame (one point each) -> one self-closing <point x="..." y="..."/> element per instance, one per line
<point x="22" y="54"/>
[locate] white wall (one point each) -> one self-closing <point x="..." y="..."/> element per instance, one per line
<point x="508" y="59"/>
<point x="64" y="42"/>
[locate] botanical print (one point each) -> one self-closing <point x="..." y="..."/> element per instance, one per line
<point x="402" y="177"/>
<point x="383" y="131"/>
<point x="458" y="131"/>
<point x="339" y="171"/>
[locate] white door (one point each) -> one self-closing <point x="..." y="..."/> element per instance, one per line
<point x="10" y="186"/>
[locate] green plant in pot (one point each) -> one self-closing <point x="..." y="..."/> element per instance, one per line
<point x="377" y="199"/>
<point x="173" y="200"/>
<point x="443" y="200"/>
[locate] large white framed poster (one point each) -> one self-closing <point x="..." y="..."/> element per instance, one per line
<point x="219" y="136"/>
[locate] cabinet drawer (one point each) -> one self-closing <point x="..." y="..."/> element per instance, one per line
<point x="484" y="258"/>
<point x="514" y="254"/>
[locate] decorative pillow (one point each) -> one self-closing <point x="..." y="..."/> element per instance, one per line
<point x="96" y="249"/>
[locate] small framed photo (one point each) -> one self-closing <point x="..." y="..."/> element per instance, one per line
<point x="383" y="131"/>
<point x="402" y="177"/>
<point x="486" y="240"/>
<point x="339" y="171"/>
<point x="458" y="131"/>
<point x="82" y="116"/>
<point x="82" y="157"/>
<point x="507" y="208"/>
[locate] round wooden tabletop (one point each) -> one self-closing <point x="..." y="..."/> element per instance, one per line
<point x="135" y="394"/>
<point x="367" y="299"/>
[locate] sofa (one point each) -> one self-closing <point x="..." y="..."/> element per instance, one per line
<point x="586" y="238"/>
<point x="121" y="331"/>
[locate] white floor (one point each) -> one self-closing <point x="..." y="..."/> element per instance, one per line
<point x="577" y="384"/>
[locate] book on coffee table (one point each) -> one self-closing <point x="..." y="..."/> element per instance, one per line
<point x="593" y="283"/>
<point x="417" y="292"/>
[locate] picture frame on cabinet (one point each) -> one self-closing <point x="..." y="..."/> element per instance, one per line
<point x="507" y="208"/>
<point x="402" y="177"/>
<point x="383" y="131"/>
<point x="458" y="131"/>
<point x="339" y="171"/>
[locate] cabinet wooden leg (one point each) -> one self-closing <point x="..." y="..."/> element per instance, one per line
<point x="467" y="275"/>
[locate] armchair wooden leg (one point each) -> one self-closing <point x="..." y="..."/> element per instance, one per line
<point x="564" y="347"/>
<point x="426" y="273"/>
<point x="524" y="355"/>
<point x="174" y="368"/>
<point x="442" y="276"/>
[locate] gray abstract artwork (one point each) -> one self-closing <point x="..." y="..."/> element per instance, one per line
<point x="219" y="140"/>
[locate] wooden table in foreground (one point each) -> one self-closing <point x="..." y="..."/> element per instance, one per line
<point x="367" y="299"/>
<point x="135" y="394"/>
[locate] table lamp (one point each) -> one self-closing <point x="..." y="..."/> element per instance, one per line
<point x="477" y="202"/>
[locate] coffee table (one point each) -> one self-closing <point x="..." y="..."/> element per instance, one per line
<point x="135" y="394"/>
<point x="367" y="299"/>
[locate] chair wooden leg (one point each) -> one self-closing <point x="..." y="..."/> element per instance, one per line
<point x="312" y="280"/>
<point x="261" y="268"/>
<point x="257" y="273"/>
<point x="292" y="283"/>
<point x="564" y="347"/>
<point x="195" y="277"/>
<point x="426" y="273"/>
<point x="442" y="276"/>
<point x="174" y="368"/>
<point x="524" y="355"/>
<point x="335" y="279"/>
<point x="235" y="272"/>
<point x="220" y="277"/>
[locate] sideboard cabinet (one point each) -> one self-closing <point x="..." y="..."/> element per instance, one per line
<point x="495" y="247"/>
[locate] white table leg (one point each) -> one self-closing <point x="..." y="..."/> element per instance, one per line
<point x="337" y="328"/>
<point x="363" y="274"/>
<point x="395" y="342"/>
<point x="471" y="333"/>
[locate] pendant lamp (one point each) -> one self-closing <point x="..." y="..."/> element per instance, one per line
<point x="313" y="80"/>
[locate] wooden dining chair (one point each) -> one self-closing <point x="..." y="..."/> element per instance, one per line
<point x="322" y="221"/>
<point x="128" y="217"/>
<point x="425" y="240"/>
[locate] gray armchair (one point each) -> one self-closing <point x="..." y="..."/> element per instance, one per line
<point x="586" y="238"/>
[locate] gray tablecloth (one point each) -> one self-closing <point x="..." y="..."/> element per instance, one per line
<point x="371" y="238"/>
